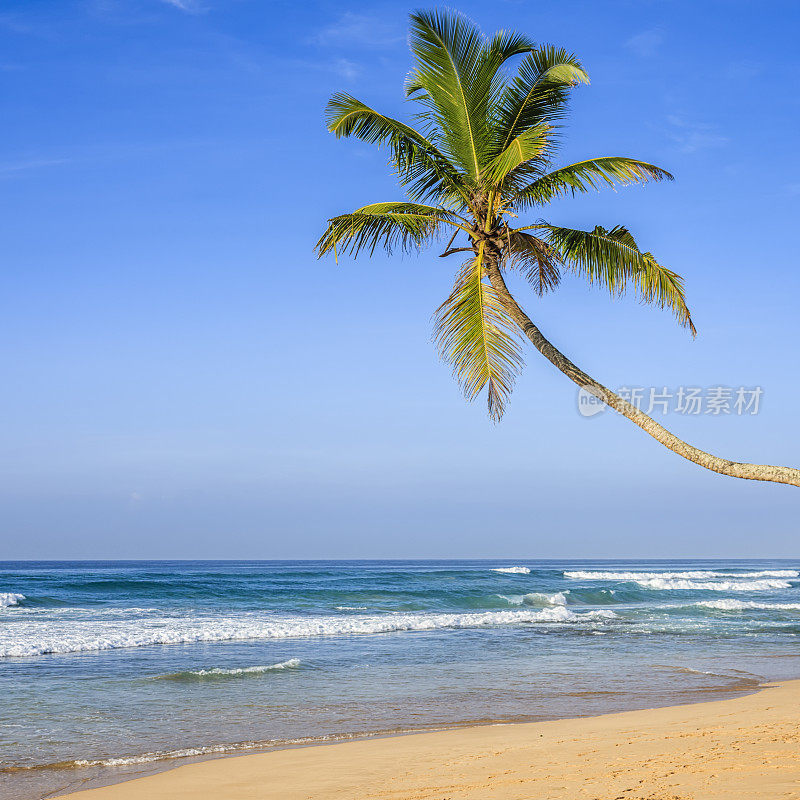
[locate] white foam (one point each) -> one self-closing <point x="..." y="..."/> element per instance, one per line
<point x="697" y="580"/>
<point x="39" y="637"/>
<point x="536" y="599"/>
<point x="90" y="612"/>
<point x="513" y="570"/>
<point x="351" y="608"/>
<point x="744" y="605"/>
<point x="189" y="752"/>
<point x="167" y="755"/>
<point x="292" y="663"/>
<point x="713" y="586"/>
<point x="689" y="575"/>
<point x="10" y="599"/>
<point x="688" y="670"/>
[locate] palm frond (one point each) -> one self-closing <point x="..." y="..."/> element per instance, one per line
<point x="528" y="147"/>
<point x="502" y="46"/>
<point x="611" y="258"/>
<point x="478" y="339"/>
<point x="538" y="93"/>
<point x="588" y="175"/>
<point x="450" y="82"/>
<point x="536" y="259"/>
<point x="417" y="159"/>
<point x="390" y="225"/>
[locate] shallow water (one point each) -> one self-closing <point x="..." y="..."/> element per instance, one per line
<point x="108" y="669"/>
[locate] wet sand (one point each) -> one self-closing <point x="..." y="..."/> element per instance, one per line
<point x="747" y="747"/>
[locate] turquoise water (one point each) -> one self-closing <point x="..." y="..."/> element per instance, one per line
<point x="112" y="669"/>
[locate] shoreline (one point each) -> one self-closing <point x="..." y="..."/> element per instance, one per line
<point x="113" y="770"/>
<point x="131" y="768"/>
<point x="545" y="758"/>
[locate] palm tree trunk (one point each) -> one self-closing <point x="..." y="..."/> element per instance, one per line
<point x="735" y="469"/>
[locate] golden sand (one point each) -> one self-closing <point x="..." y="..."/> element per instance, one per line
<point x="748" y="747"/>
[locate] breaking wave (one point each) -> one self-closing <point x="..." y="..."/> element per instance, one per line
<point x="10" y="599"/>
<point x="513" y="570"/>
<point x="689" y="575"/>
<point x="536" y="599"/>
<point x="33" y="640"/>
<point x="697" y="580"/>
<point x="681" y="584"/>
<point x="746" y="605"/>
<point x="235" y="672"/>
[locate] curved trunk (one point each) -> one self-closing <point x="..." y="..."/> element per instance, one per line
<point x="754" y="472"/>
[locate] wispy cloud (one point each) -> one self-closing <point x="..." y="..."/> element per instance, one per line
<point x="102" y="154"/>
<point x="692" y="136"/>
<point x="646" y="43"/>
<point x="360" y="30"/>
<point x="190" y="6"/>
<point x="341" y="67"/>
<point x="346" y="69"/>
<point x="12" y="167"/>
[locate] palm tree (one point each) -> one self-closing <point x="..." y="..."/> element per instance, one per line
<point x="482" y="153"/>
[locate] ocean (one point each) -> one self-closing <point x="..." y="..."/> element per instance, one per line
<point x="110" y="670"/>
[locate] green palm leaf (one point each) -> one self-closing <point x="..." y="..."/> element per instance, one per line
<point x="538" y="93"/>
<point x="525" y="149"/>
<point x="450" y="51"/>
<point x="476" y="336"/>
<point x="417" y="159"/>
<point x="536" y="259"/>
<point x="503" y="46"/>
<point x="407" y="225"/>
<point x="589" y="175"/>
<point x="611" y="258"/>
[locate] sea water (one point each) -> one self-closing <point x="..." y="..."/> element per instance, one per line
<point x="109" y="670"/>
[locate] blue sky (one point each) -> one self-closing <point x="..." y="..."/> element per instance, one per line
<point x="183" y="379"/>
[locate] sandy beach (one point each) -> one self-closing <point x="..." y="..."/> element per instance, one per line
<point x="722" y="750"/>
